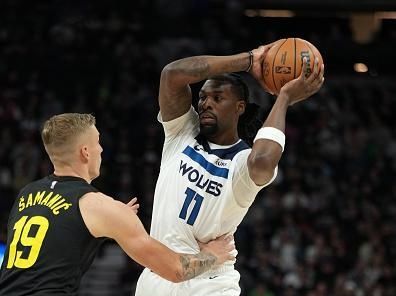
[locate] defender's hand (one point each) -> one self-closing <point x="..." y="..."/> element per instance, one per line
<point x="133" y="205"/>
<point x="220" y="247"/>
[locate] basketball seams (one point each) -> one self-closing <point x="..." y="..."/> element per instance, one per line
<point x="273" y="64"/>
<point x="295" y="55"/>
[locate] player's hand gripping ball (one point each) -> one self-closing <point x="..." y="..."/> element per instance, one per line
<point x="284" y="61"/>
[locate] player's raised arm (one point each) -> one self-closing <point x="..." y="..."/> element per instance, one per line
<point x="270" y="140"/>
<point x="106" y="217"/>
<point x="175" y="92"/>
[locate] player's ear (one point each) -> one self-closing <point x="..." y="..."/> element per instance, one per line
<point x="84" y="153"/>
<point x="241" y="105"/>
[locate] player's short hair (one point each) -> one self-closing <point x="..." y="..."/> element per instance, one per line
<point x="64" y="128"/>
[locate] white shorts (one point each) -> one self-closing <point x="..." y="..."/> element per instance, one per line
<point x="211" y="283"/>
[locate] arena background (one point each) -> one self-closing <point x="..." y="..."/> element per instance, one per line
<point x="327" y="224"/>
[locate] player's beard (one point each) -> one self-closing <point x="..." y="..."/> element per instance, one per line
<point x="208" y="130"/>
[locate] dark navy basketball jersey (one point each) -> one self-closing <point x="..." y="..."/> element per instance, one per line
<point x="48" y="244"/>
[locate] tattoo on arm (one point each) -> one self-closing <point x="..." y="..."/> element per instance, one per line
<point x="193" y="265"/>
<point x="196" y="67"/>
<point x="199" y="67"/>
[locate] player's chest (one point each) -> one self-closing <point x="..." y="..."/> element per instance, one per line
<point x="206" y="172"/>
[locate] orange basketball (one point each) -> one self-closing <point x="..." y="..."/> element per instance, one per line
<point x="284" y="61"/>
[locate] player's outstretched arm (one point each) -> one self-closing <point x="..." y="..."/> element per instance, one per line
<point x="106" y="217"/>
<point x="266" y="150"/>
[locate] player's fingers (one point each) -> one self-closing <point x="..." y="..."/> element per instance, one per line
<point x="202" y="245"/>
<point x="229" y="238"/>
<point x="321" y="74"/>
<point x="226" y="237"/>
<point x="318" y="79"/>
<point x="132" y="202"/>
<point x="231" y="257"/>
<point x="304" y="69"/>
<point x="316" y="71"/>
<point x="221" y="237"/>
<point x="269" y="45"/>
<point x="318" y="75"/>
<point x="231" y="246"/>
<point x="321" y="82"/>
<point x="313" y="77"/>
<point x="316" y="85"/>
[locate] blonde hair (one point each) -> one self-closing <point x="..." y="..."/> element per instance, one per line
<point x="63" y="129"/>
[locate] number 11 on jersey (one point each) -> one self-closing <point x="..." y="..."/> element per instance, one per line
<point x="190" y="196"/>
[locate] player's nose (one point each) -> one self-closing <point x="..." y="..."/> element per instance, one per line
<point x="207" y="103"/>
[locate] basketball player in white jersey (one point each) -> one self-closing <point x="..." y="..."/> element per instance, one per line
<point x="209" y="176"/>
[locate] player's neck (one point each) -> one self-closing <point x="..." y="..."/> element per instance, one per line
<point x="224" y="138"/>
<point x="71" y="171"/>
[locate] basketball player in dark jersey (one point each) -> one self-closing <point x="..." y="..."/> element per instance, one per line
<point x="57" y="223"/>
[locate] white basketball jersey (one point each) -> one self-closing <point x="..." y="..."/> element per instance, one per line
<point x="200" y="187"/>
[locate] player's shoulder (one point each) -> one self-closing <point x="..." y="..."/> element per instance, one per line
<point x="96" y="198"/>
<point x="99" y="202"/>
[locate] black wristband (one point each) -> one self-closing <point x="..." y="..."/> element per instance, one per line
<point x="250" y="61"/>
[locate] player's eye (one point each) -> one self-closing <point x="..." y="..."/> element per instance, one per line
<point x="217" y="98"/>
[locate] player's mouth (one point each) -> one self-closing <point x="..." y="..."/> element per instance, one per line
<point x="207" y="118"/>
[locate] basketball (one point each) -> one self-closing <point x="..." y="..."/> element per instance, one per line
<point x="284" y="61"/>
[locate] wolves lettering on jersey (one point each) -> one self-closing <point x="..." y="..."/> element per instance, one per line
<point x="215" y="162"/>
<point x="199" y="159"/>
<point x="194" y="176"/>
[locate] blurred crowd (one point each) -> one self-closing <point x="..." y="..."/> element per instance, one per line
<point x="325" y="227"/>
